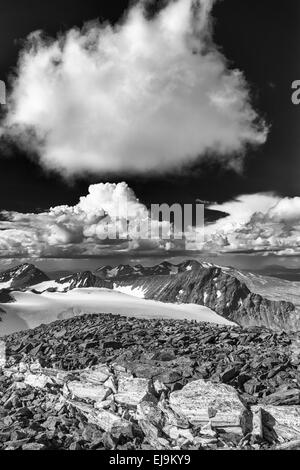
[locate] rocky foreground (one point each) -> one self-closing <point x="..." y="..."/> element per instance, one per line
<point x="110" y="382"/>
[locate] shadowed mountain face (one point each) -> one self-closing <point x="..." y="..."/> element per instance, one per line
<point x="127" y="271"/>
<point x="221" y="291"/>
<point x="244" y="298"/>
<point x="84" y="279"/>
<point x="22" y="276"/>
<point x="5" y="297"/>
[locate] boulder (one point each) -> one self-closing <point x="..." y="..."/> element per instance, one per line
<point x="252" y="386"/>
<point x="202" y="402"/>
<point x="229" y="374"/>
<point x="150" y="412"/>
<point x="105" y="420"/>
<point x="111" y="423"/>
<point x="132" y="391"/>
<point x="37" y="380"/>
<point x="164" y="355"/>
<point x="112" y="344"/>
<point x="2" y="354"/>
<point x="171" y="418"/>
<point x="97" y="375"/>
<point x="143" y="370"/>
<point x="284" y="397"/>
<point x="88" y="391"/>
<point x="169" y="377"/>
<point x="154" y="435"/>
<point x="175" y="433"/>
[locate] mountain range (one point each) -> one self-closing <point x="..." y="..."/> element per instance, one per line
<point x="240" y="297"/>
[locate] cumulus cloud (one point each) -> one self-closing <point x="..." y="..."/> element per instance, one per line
<point x="257" y="223"/>
<point x="109" y="219"/>
<point x="147" y="94"/>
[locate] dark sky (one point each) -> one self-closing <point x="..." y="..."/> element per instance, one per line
<point x="260" y="37"/>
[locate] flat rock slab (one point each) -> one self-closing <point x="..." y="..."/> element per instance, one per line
<point x="286" y="397"/>
<point x="132" y="391"/>
<point x="203" y="402"/>
<point x="97" y="375"/>
<point x="88" y="391"/>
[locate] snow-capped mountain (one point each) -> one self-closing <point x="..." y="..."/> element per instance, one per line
<point x="165" y="268"/>
<point x="74" y="281"/>
<point x="21" y="276"/>
<point x="244" y="298"/>
<point x="108" y="272"/>
<point x="241" y="297"/>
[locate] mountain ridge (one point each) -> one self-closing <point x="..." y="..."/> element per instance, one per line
<point x="240" y="297"/>
<point x="23" y="275"/>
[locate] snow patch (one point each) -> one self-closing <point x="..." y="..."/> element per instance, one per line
<point x="207" y="265"/>
<point x="173" y="270"/>
<point x="43" y="286"/>
<point x="113" y="272"/>
<point x="129" y="290"/>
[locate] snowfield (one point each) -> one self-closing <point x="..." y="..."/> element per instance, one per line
<point x="31" y="310"/>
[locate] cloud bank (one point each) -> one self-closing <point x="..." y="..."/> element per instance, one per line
<point x="82" y="230"/>
<point x="258" y="223"/>
<point x="262" y="223"/>
<point x="143" y="95"/>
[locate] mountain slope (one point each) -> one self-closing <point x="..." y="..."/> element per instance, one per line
<point x="223" y="290"/>
<point x="165" y="268"/>
<point x="74" y="281"/>
<point x="21" y="276"/>
<point x="241" y="297"/>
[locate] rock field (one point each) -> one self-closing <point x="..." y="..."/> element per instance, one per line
<point x="111" y="382"/>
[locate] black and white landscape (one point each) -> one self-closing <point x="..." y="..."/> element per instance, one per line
<point x="114" y="335"/>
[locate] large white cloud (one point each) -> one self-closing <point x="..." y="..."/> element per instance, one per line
<point x="257" y="223"/>
<point x="146" y="94"/>
<point x="109" y="219"/>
